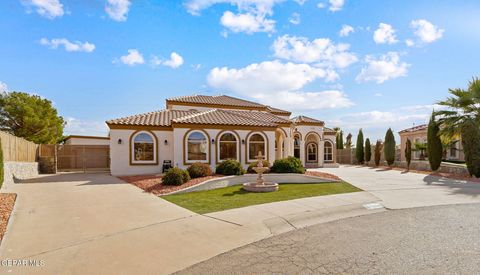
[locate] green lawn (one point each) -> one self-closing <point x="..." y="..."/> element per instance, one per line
<point x="234" y="196"/>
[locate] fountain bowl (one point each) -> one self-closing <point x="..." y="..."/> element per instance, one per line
<point x="260" y="187"/>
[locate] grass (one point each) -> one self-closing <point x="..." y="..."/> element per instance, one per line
<point x="231" y="197"/>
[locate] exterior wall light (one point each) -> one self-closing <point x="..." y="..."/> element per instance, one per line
<point x="243" y="141"/>
<point x="119" y="141"/>
<point x="213" y="141"/>
<point x="166" y="142"/>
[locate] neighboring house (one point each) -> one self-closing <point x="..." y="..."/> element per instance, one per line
<point x="86" y="140"/>
<point x="418" y="134"/>
<point x="211" y="129"/>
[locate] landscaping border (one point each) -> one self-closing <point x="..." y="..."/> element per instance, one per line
<point x="7" y="206"/>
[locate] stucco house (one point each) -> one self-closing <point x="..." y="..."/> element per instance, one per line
<point x="418" y="134"/>
<point x="210" y="129"/>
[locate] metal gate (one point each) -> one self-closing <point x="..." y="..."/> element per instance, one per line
<point x="79" y="157"/>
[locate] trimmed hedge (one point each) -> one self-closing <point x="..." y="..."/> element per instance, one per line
<point x="254" y="164"/>
<point x="230" y="167"/>
<point x="198" y="170"/>
<point x="288" y="165"/>
<point x="175" y="176"/>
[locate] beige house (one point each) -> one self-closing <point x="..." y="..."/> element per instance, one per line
<point x="418" y="134"/>
<point x="211" y="129"/>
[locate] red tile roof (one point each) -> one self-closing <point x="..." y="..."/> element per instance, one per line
<point x="414" y="128"/>
<point x="157" y="118"/>
<point x="306" y="120"/>
<point x="226" y="117"/>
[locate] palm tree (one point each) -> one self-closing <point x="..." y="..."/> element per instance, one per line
<point x="460" y="106"/>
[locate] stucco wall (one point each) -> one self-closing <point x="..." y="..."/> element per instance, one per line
<point x="305" y="131"/>
<point x="120" y="153"/>
<point x="21" y="170"/>
<point x="87" y="141"/>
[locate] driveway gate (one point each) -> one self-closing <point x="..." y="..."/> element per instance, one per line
<point x="78" y="157"/>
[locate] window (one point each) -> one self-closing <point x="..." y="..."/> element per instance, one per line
<point x="256" y="144"/>
<point x="228" y="147"/>
<point x="197" y="146"/>
<point x="296" y="147"/>
<point x="312" y="152"/>
<point x="328" y="151"/>
<point x="453" y="150"/>
<point x="143" y="148"/>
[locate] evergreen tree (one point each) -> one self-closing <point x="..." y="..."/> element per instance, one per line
<point x="378" y="152"/>
<point x="368" y="150"/>
<point x="471" y="146"/>
<point x="389" y="147"/>
<point x="434" y="144"/>
<point x="340" y="140"/>
<point x="408" y="153"/>
<point x="359" y="152"/>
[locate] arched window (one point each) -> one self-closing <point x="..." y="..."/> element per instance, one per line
<point x="328" y="151"/>
<point x="312" y="152"/>
<point x="228" y="145"/>
<point x="256" y="144"/>
<point x="296" y="146"/>
<point x="143" y="148"/>
<point x="197" y="147"/>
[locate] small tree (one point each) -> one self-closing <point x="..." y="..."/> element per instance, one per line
<point x="378" y="152"/>
<point x="471" y="146"/>
<point x="359" y="152"/>
<point x="368" y="150"/>
<point x="434" y="144"/>
<point x="340" y="140"/>
<point x="389" y="147"/>
<point x="408" y="153"/>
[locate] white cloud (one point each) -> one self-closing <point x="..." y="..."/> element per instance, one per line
<point x="76" y="46"/>
<point x="409" y="43"/>
<point x="388" y="66"/>
<point x="336" y="5"/>
<point x="426" y="31"/>
<point x="3" y="87"/>
<point x="246" y="22"/>
<point x="384" y="34"/>
<point x="279" y="84"/>
<point x="346" y="30"/>
<point x="322" y="51"/>
<point x="174" y="62"/>
<point x="133" y="57"/>
<point x="117" y="9"/>
<point x="46" y="8"/>
<point x="294" y="18"/>
<point x="85" y="127"/>
<point x="251" y="16"/>
<point x="378" y="94"/>
<point x="321" y="5"/>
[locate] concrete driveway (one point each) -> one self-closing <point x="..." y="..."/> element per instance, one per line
<point x="398" y="189"/>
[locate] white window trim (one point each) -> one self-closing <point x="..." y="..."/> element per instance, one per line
<point x="218" y="145"/>
<point x="155" y="149"/>
<point x="316" y="155"/>
<point x="189" y="161"/>
<point x="264" y="146"/>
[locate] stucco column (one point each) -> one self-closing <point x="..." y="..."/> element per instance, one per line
<point x="321" y="152"/>
<point x="302" y="152"/>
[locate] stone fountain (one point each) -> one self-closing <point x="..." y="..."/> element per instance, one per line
<point x="260" y="185"/>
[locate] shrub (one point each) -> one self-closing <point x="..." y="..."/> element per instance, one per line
<point x="288" y="165"/>
<point x="368" y="150"/>
<point x="1" y="165"/>
<point x="175" y="176"/>
<point x="471" y="146"/>
<point x="389" y="147"/>
<point x="254" y="164"/>
<point x="359" y="152"/>
<point x="230" y="167"/>
<point x="434" y="144"/>
<point x="378" y="152"/>
<point x="408" y="153"/>
<point x="198" y="170"/>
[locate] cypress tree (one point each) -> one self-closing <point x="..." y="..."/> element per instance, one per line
<point x="368" y="150"/>
<point x="340" y="140"/>
<point x="408" y="153"/>
<point x="389" y="147"/>
<point x="378" y="152"/>
<point x="359" y="152"/>
<point x="471" y="146"/>
<point x="434" y="144"/>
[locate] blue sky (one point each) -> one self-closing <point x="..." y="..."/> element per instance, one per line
<point x="103" y="59"/>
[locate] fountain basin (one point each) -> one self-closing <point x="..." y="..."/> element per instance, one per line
<point x="260" y="188"/>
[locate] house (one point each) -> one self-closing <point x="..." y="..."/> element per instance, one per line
<point x="418" y="135"/>
<point x="211" y="129"/>
<point x="86" y="140"/>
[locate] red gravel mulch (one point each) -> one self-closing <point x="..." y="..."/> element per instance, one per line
<point x="7" y="200"/>
<point x="322" y="175"/>
<point x="153" y="183"/>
